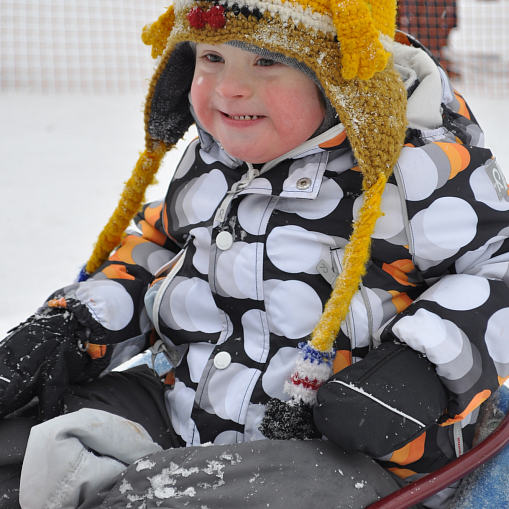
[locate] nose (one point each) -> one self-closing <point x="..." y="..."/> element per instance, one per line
<point x="234" y="83"/>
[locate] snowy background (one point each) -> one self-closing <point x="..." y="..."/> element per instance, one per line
<point x="71" y="127"/>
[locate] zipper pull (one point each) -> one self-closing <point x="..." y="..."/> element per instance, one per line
<point x="236" y="188"/>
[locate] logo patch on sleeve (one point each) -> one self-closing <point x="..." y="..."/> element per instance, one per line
<point x="497" y="178"/>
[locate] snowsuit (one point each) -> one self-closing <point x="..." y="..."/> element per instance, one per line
<point x="233" y="269"/>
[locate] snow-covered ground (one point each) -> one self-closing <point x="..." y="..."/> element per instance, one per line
<point x="63" y="162"/>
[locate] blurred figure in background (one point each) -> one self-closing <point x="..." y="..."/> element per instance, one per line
<point x="430" y="21"/>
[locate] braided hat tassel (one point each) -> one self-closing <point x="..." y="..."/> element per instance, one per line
<point x="293" y="419"/>
<point x="130" y="202"/>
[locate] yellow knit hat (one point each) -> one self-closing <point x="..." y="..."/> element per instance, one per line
<point x="346" y="43"/>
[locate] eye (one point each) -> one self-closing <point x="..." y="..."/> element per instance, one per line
<point x="212" y="57"/>
<point x="266" y="62"/>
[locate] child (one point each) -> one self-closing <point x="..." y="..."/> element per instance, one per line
<point x="311" y="118"/>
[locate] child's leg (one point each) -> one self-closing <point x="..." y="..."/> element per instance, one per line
<point x="135" y="394"/>
<point x="13" y="439"/>
<point x="268" y="473"/>
<point x="67" y="458"/>
<point x="299" y="474"/>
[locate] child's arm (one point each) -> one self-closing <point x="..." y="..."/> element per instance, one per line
<point x="47" y="353"/>
<point x="460" y="322"/>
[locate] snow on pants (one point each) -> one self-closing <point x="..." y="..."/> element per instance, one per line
<point x="79" y="461"/>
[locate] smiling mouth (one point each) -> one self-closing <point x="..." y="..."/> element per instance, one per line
<point x="243" y="117"/>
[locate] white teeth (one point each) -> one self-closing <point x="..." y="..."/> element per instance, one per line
<point x="244" y="117"/>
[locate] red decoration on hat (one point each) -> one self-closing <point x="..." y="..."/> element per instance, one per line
<point x="196" y="17"/>
<point x="214" y="17"/>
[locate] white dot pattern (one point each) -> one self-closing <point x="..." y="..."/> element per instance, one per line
<point x="294" y="249"/>
<point x="497" y="335"/>
<point x="442" y="229"/>
<point x="423" y="172"/>
<point x="460" y="293"/>
<point x="234" y="271"/>
<point x="280" y="368"/>
<point x="227" y="388"/>
<point x="485" y="192"/>
<point x="108" y="302"/>
<point x="293" y="308"/>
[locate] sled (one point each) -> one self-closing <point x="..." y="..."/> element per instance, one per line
<point x="484" y="470"/>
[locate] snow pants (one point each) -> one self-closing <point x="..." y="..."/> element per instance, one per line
<point x="116" y="449"/>
<point x="134" y="394"/>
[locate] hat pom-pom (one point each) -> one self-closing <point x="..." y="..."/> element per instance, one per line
<point x="284" y="420"/>
<point x="294" y="418"/>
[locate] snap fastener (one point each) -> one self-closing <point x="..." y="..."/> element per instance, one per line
<point x="224" y="240"/>
<point x="303" y="183"/>
<point x="222" y="360"/>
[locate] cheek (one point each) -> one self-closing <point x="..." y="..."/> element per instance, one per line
<point x="311" y="104"/>
<point x="298" y="109"/>
<point x="200" y="96"/>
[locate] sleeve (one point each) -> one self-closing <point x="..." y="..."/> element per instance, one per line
<point x="110" y="304"/>
<point x="459" y="238"/>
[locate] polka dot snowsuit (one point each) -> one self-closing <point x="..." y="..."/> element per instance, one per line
<point x="238" y="274"/>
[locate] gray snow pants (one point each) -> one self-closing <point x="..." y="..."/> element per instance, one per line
<point x="274" y="474"/>
<point x="256" y="475"/>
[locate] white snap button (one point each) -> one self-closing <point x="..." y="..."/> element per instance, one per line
<point x="303" y="183"/>
<point x="222" y="360"/>
<point x="224" y="240"/>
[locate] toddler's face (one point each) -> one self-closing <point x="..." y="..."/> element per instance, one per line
<point x="256" y="108"/>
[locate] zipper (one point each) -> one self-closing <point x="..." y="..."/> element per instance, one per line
<point x="172" y="353"/>
<point x="379" y="364"/>
<point x="237" y="187"/>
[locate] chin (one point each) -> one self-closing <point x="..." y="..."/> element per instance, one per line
<point x="246" y="156"/>
<point x="253" y="156"/>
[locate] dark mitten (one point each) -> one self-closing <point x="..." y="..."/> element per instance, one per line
<point x="381" y="403"/>
<point x="41" y="357"/>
